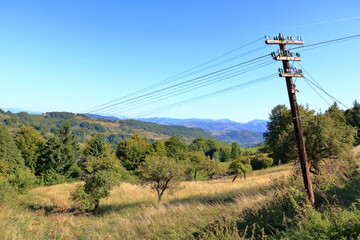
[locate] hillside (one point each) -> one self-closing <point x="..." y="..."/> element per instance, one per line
<point x="209" y="124"/>
<point x="247" y="134"/>
<point x="84" y="127"/>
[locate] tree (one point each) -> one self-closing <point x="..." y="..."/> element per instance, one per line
<point x="104" y="173"/>
<point x="214" y="168"/>
<point x="59" y="155"/>
<point x="240" y="165"/>
<point x="132" y="151"/>
<point x="30" y="143"/>
<point x="235" y="150"/>
<point x="12" y="167"/>
<point x="176" y="148"/>
<point x="261" y="161"/>
<point x="158" y="148"/>
<point x="197" y="162"/>
<point x="353" y="117"/>
<point x="10" y="156"/>
<point x="96" y="147"/>
<point x="326" y="135"/>
<point x="161" y="173"/>
<point x="206" y="146"/>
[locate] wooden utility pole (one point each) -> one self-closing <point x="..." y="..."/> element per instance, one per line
<point x="288" y="72"/>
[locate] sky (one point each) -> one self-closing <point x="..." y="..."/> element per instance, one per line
<point x="74" y="56"/>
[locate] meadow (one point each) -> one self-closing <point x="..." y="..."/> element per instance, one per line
<point x="132" y="211"/>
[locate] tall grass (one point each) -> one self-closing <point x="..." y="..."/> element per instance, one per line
<point x="132" y="212"/>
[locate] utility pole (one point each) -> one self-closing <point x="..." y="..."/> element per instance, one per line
<point x="288" y="72"/>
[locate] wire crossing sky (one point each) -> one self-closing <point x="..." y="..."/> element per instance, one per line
<point x="161" y="58"/>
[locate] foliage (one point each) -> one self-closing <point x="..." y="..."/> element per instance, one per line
<point x="327" y="138"/>
<point x="206" y="146"/>
<point x="197" y="163"/>
<point x="59" y="155"/>
<point x="240" y="165"/>
<point x="353" y="117"/>
<point x="235" y="150"/>
<point x="30" y="143"/>
<point x="158" y="148"/>
<point x="105" y="174"/>
<point x="10" y="156"/>
<point x="96" y="147"/>
<point x="132" y="151"/>
<point x="261" y="161"/>
<point x="326" y="135"/>
<point x="175" y="148"/>
<point x="214" y="168"/>
<point x="7" y="192"/>
<point x="161" y="173"/>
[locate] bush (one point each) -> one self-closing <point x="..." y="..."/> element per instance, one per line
<point x="7" y="192"/>
<point x="261" y="161"/>
<point x="23" y="179"/>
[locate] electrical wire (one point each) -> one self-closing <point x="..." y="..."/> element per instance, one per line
<point x="190" y="87"/>
<point x="199" y="98"/>
<point x="178" y="84"/>
<point x="181" y="74"/>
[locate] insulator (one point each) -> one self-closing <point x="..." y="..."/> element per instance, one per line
<point x="298" y="54"/>
<point x="266" y="37"/>
<point x="300" y="71"/>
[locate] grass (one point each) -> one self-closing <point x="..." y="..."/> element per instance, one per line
<point x="131" y="211"/>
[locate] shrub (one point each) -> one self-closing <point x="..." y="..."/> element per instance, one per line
<point x="261" y="161"/>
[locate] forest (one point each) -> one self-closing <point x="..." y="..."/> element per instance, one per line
<point x="69" y="150"/>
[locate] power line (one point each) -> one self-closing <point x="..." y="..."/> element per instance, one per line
<point x="191" y="100"/>
<point x="329" y="41"/>
<point x="179" y="84"/>
<point x="181" y="74"/>
<point x="187" y="88"/>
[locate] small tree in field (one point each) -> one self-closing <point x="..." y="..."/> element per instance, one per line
<point x="103" y="173"/>
<point x="161" y="173"/>
<point x="240" y="165"/>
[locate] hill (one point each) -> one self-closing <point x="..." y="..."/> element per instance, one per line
<point x="84" y="126"/>
<point x="247" y="134"/>
<point x="210" y="124"/>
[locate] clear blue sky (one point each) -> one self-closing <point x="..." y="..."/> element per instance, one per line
<point x="67" y="55"/>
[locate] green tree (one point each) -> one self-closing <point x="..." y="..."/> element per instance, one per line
<point x="261" y="161"/>
<point x="214" y="168"/>
<point x="176" y="148"/>
<point x="30" y="143"/>
<point x="10" y="156"/>
<point x="353" y="117"/>
<point x="96" y="147"/>
<point x="161" y="173"/>
<point x="240" y="165"/>
<point x="197" y="162"/>
<point x="235" y="150"/>
<point x="327" y="137"/>
<point x="158" y="148"/>
<point x="132" y="151"/>
<point x="104" y="173"/>
<point x="12" y="167"/>
<point x="59" y="155"/>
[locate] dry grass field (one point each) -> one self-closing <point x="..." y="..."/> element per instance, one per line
<point x="132" y="212"/>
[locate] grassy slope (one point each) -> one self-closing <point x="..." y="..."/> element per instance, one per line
<point x="131" y="212"/>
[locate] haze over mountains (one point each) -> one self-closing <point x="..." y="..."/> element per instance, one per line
<point x="247" y="134"/>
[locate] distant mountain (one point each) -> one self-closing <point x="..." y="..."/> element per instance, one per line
<point x="96" y="116"/>
<point x="17" y="110"/>
<point x="211" y="125"/>
<point x="244" y="137"/>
